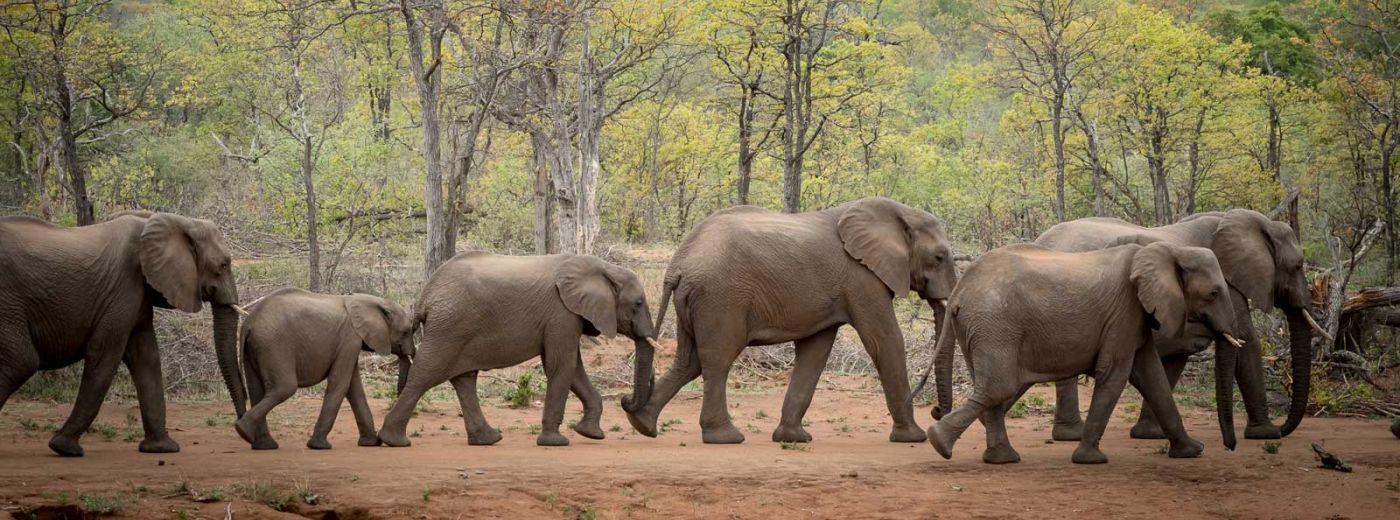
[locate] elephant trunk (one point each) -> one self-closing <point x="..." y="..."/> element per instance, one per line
<point x="1227" y="355"/>
<point x="1300" y="337"/>
<point x="405" y="364"/>
<point x="938" y="319"/>
<point x="226" y="349"/>
<point x="943" y="362"/>
<point x="644" y="378"/>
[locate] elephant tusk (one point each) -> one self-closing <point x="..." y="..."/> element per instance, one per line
<point x="1313" y="323"/>
<point x="653" y="343"/>
<point x="240" y="310"/>
<point x="1233" y="342"/>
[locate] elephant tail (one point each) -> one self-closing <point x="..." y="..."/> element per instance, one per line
<point x="249" y="372"/>
<point x="666" y="289"/>
<point x="943" y="360"/>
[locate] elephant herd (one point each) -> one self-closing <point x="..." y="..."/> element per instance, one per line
<point x="1097" y="296"/>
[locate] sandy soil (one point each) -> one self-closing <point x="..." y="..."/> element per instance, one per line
<point x="850" y="470"/>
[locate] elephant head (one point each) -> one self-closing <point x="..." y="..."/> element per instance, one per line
<point x="186" y="263"/>
<point x="1261" y="259"/>
<point x="905" y="247"/>
<point x="611" y="300"/>
<point x="384" y="328"/>
<point x="1177" y="285"/>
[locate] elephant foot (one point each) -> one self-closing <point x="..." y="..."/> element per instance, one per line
<point x="1147" y="430"/>
<point x="368" y="440"/>
<point x="1003" y="454"/>
<point x="162" y="444"/>
<point x="908" y="433"/>
<point x="645" y="424"/>
<point x="1067" y="431"/>
<point x="66" y="446"/>
<point x="941" y="439"/>
<point x="394" y="438"/>
<point x="553" y="438"/>
<point x="1186" y="449"/>
<point x="318" y="443"/>
<point x="1262" y="431"/>
<point x="726" y="434"/>
<point x="245" y="429"/>
<point x="1395" y="428"/>
<point x="1086" y="454"/>
<point x="265" y="443"/>
<point x="791" y="434"/>
<point x="483" y="438"/>
<point x="589" y="429"/>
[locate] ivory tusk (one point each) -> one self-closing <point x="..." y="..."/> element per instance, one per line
<point x="1313" y="323"/>
<point x="1233" y="342"/>
<point x="654" y="344"/>
<point x="240" y="310"/>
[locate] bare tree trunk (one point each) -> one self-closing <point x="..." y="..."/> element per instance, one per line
<point x="1161" y="196"/>
<point x="745" y="143"/>
<point x="591" y="97"/>
<point x="1056" y="127"/>
<point x="1092" y="148"/>
<point x="313" y="244"/>
<point x="427" y="79"/>
<point x="544" y="193"/>
<point x="1193" y="160"/>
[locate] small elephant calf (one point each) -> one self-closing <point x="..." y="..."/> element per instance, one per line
<point x="482" y="311"/>
<point x="294" y="338"/>
<point x="1025" y="314"/>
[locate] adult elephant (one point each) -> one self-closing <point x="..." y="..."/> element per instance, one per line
<point x="86" y="294"/>
<point x="750" y="276"/>
<point x="1263" y="266"/>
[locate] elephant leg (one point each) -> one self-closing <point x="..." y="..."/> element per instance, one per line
<point x="683" y="370"/>
<point x="275" y="383"/>
<point x="99" y="367"/>
<point x="359" y="405"/>
<point x="1147" y="426"/>
<point x="1151" y="380"/>
<point x="879" y="333"/>
<point x="337" y="386"/>
<point x="999" y="450"/>
<point x="1249" y="372"/>
<point x="143" y="361"/>
<point x="394" y="431"/>
<point x="722" y="349"/>
<point x="592" y="403"/>
<point x="21" y="362"/>
<point x="1109" y="381"/>
<point x="811" y="356"/>
<point x="479" y="432"/>
<point x="560" y="364"/>
<point x="945" y="432"/>
<point x="1068" y="426"/>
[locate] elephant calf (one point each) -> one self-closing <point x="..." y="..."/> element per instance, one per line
<point x="1026" y="314"/>
<point x="294" y="338"/>
<point x="481" y="311"/>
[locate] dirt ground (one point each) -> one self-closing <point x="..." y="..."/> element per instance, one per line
<point x="849" y="471"/>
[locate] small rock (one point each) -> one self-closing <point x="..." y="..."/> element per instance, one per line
<point x="480" y="472"/>
<point x="160" y="463"/>
<point x="850" y="474"/>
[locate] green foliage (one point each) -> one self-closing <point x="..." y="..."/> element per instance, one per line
<point x="525" y="391"/>
<point x="103" y="505"/>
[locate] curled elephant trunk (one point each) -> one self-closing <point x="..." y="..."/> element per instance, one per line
<point x="405" y="364"/>
<point x="1227" y="355"/>
<point x="645" y="376"/>
<point x="1300" y="335"/>
<point x="226" y="349"/>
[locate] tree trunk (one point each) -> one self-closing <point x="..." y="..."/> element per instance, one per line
<point x="313" y="244"/>
<point x="1056" y="126"/>
<point x="426" y="77"/>
<point x="68" y="147"/>
<point x="1161" y="197"/>
<point x="745" y="143"/>
<point x="544" y="193"/>
<point x="1091" y="138"/>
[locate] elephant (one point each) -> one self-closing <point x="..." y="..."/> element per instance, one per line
<point x="294" y="338"/>
<point x="1263" y="266"/>
<point x="1026" y="314"/>
<point x="750" y="276"/>
<point x="1395" y="428"/>
<point x="482" y="311"/>
<point x="87" y="294"/>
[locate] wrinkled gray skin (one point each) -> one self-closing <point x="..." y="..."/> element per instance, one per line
<point x="87" y="293"/>
<point x="294" y="338"/>
<point x="750" y="276"/>
<point x="1025" y="314"/>
<point x="481" y="311"/>
<point x="1263" y="265"/>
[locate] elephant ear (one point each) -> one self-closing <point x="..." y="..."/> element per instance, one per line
<point x="587" y="291"/>
<point x="371" y="321"/>
<point x="1158" y="280"/>
<point x="874" y="233"/>
<point x="1245" y="250"/>
<point x="168" y="260"/>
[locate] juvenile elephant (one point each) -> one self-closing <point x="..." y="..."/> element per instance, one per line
<point x="750" y="276"/>
<point x="481" y="311"/>
<point x="1025" y="314"/>
<point x="294" y="339"/>
<point x="86" y="294"/>
<point x="1263" y="266"/>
